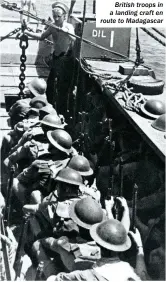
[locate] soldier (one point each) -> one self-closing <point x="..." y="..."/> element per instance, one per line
<point x="153" y="235"/>
<point x="38" y="130"/>
<point x="75" y="247"/>
<point x="37" y="175"/>
<point x="62" y="44"/>
<point x="29" y="119"/>
<point x="19" y="110"/>
<point x="82" y="165"/>
<point x="33" y="149"/>
<point x="113" y="240"/>
<point x="48" y="214"/>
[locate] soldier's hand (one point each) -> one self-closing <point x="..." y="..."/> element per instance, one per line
<point x="136" y="237"/>
<point x="2" y="204"/>
<point x="7" y="163"/>
<point x="108" y="207"/>
<point x="123" y="202"/>
<point x="30" y="209"/>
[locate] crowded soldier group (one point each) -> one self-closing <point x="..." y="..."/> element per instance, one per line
<point x="71" y="232"/>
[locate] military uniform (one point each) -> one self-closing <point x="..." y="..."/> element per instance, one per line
<point x="40" y="173"/>
<point x="29" y="152"/>
<point x="35" y="133"/>
<point x="103" y="270"/>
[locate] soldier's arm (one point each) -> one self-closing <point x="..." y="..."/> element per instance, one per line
<point x="126" y="216"/>
<point x="108" y="207"/>
<point x="30" y="174"/>
<point x="77" y="275"/>
<point x="39" y="36"/>
<point x="140" y="268"/>
<point x="21" y="142"/>
<point x="19" y="154"/>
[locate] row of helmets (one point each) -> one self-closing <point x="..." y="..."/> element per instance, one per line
<point x="156" y="109"/>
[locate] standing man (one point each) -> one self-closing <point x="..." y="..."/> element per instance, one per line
<point x="62" y="45"/>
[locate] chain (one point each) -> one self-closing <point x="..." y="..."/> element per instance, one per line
<point x="10" y="34"/>
<point x="23" y="45"/>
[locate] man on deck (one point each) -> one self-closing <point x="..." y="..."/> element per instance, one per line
<point x="62" y="45"/>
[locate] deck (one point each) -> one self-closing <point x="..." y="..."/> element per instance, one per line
<point x="154" y="138"/>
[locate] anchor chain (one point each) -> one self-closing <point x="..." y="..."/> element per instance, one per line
<point x="10" y="34"/>
<point x="23" y="45"/>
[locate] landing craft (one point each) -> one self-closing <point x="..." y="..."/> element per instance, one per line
<point x="111" y="123"/>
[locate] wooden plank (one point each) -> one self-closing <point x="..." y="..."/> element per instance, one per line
<point x="4" y="124"/>
<point x="13" y="81"/>
<point x="29" y="72"/>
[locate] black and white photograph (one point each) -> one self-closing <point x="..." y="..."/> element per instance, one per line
<point x="83" y="135"/>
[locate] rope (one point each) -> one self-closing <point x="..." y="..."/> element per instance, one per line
<point x="153" y="36"/>
<point x="133" y="101"/>
<point x="159" y="32"/>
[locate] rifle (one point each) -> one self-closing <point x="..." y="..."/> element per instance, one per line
<point x="83" y="138"/>
<point x="9" y="196"/>
<point x="18" y="264"/>
<point x="111" y="154"/>
<point x="117" y="208"/>
<point x="134" y="207"/>
<point x="5" y="253"/>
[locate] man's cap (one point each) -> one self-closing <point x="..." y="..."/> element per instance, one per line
<point x="61" y="6"/>
<point x="111" y="235"/>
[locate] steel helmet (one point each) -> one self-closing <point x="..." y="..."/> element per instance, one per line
<point x="52" y="120"/>
<point x="86" y="212"/>
<point x="111" y="235"/>
<point x="37" y="86"/>
<point x="38" y="102"/>
<point x="61" y="140"/>
<point x="69" y="175"/>
<point x="46" y="110"/>
<point x="160" y="123"/>
<point x="33" y="111"/>
<point x="80" y="164"/>
<point x="153" y="108"/>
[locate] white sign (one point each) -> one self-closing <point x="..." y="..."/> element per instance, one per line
<point x="130" y="13"/>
